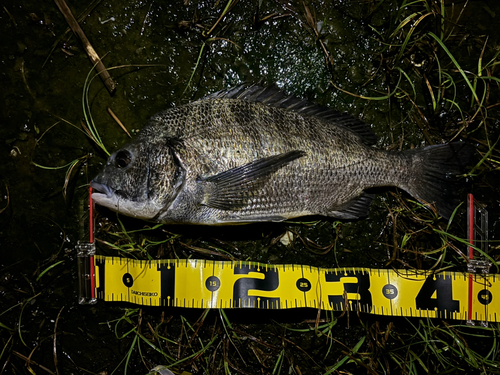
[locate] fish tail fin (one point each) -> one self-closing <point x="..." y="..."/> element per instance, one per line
<point x="435" y="172"/>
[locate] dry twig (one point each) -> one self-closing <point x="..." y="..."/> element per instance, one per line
<point x="92" y="54"/>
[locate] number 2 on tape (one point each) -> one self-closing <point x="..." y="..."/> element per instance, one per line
<point x="241" y="297"/>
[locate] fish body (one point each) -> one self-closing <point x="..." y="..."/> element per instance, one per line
<point x="254" y="154"/>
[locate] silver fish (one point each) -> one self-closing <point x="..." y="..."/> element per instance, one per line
<point x="253" y="154"/>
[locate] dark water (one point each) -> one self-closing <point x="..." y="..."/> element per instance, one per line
<point x="156" y="45"/>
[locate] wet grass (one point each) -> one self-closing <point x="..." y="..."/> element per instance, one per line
<point x="425" y="72"/>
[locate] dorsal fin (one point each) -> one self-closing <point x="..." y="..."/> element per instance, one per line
<point x="274" y="97"/>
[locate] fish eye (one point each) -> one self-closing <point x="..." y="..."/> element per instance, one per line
<point x="123" y="158"/>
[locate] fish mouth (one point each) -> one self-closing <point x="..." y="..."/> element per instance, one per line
<point x="100" y="190"/>
<point x="115" y="200"/>
<point x="104" y="195"/>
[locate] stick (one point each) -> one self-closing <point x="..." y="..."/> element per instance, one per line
<point x="79" y="19"/>
<point x="118" y="122"/>
<point x="92" y="54"/>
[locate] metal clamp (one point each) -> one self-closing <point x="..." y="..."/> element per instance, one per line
<point x="86" y="274"/>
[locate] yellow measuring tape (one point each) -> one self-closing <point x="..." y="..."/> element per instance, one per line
<point x="192" y="283"/>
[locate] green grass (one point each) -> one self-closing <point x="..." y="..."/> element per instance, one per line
<point x="444" y="84"/>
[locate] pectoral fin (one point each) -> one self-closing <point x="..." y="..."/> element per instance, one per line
<point x="232" y="189"/>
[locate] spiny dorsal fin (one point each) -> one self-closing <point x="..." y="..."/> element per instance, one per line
<point x="274" y="97"/>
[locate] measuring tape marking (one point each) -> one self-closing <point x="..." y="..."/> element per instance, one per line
<point x="192" y="283"/>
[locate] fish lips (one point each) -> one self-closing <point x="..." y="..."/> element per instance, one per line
<point x="103" y="195"/>
<point x="101" y="189"/>
<point x="108" y="197"/>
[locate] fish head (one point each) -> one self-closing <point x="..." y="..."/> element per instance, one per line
<point x="138" y="180"/>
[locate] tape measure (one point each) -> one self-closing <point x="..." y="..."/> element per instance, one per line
<point x="192" y="283"/>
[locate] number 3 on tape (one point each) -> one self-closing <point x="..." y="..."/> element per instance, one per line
<point x="356" y="287"/>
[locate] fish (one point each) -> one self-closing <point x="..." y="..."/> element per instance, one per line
<point x="255" y="154"/>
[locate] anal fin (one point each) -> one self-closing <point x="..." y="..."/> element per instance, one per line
<point x="355" y="208"/>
